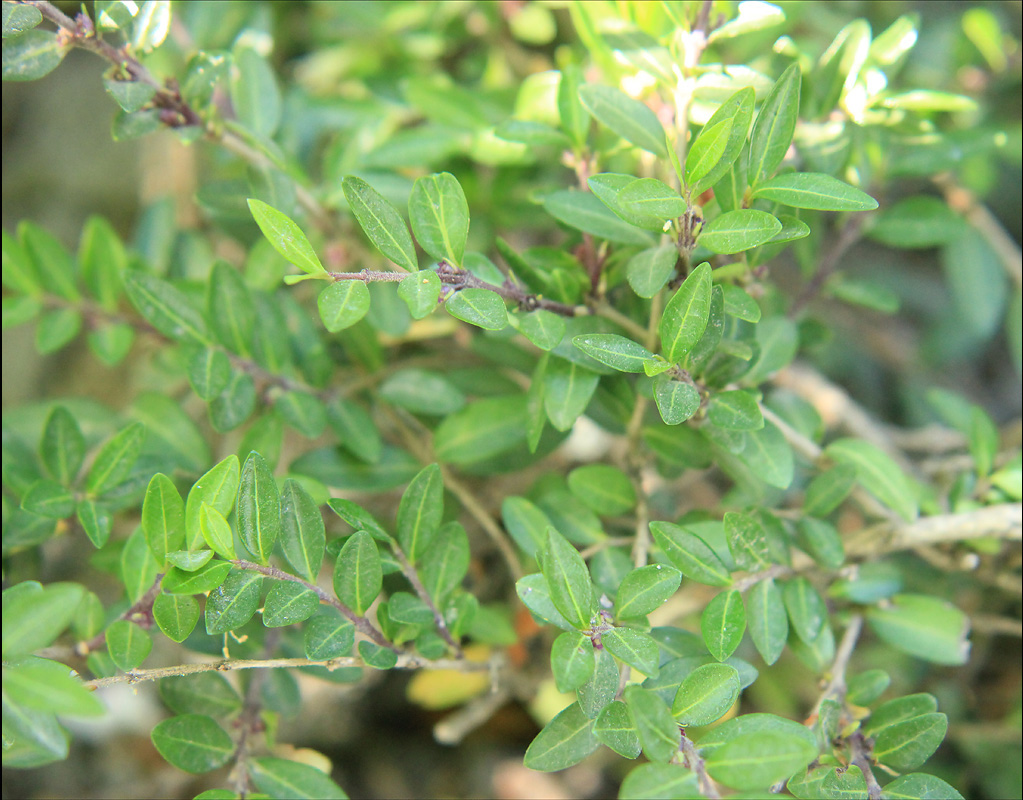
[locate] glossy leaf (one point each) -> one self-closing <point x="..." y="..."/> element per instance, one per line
<point x="358" y="575"/>
<point x="615" y="728"/>
<point x="568" y="580"/>
<point x="651" y="197"/>
<point x="194" y="743"/>
<point x="685" y="316"/>
<point x="565" y="740"/>
<point x="286" y="236"/>
<point x="645" y="589"/>
<point x="687" y="551"/>
<point x="906" y="745"/>
<point x="440" y="216"/>
<point x="814" y="190"/>
<point x="774" y="126"/>
<point x="737" y="109"/>
<point x="536" y="596"/>
<point x="204" y="578"/>
<point x="176" y="615"/>
<point x="629" y="118"/>
<point x="381" y="222"/>
<point x="723" y="622"/>
<point x="767" y="619"/>
<point x="233" y="602"/>
<point x="303" y="536"/>
<point x="706" y="694"/>
<point x="480" y="307"/>
<point x="735" y="231"/>
<point x="259" y="508"/>
<point x="706" y="151"/>
<point x="615" y="351"/>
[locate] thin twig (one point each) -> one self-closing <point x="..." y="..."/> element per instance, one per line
<point x="695" y="762"/>
<point x="850" y="234"/>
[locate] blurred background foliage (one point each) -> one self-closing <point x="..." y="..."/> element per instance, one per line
<point x="357" y="79"/>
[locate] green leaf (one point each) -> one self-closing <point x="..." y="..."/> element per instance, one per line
<point x="919" y="786"/>
<point x="706" y="151"/>
<point x="31" y="55"/>
<point x="820" y="540"/>
<point x="660" y="782"/>
<point x="255" y="96"/>
<point x="302" y="411"/>
<point x="17" y="19"/>
<point x="676" y="400"/>
<point x="420" y="512"/>
<point x="568" y="388"/>
<point x="130" y="95"/>
<point x="615" y="351"/>
<point x="752" y="17"/>
<point x="774" y="127"/>
<point x="768" y="620"/>
<point x="585" y="212"/>
<point x="606" y="186"/>
<point x="286" y="236"/>
<point x="381" y="222"/>
<point x="115" y="459"/>
<point x="572" y="660"/>
<point x="866" y="687"/>
<point x="565" y="740"/>
<point x="735" y="410"/>
<point x="747" y="541"/>
<point x="758" y="760"/>
<point x="706" y="694"/>
<point x="526" y="523"/>
<point x="651" y="197"/>
<point x="127" y="644"/>
<point x="575" y="120"/>
<point x="188" y="560"/>
<point x="635" y="648"/>
<point x="194" y="743"/>
<point x="163" y="517"/>
<point x="62" y="448"/>
<point x="629" y="118"/>
<point x="342" y="304"/>
<point x="358" y="575"/>
<point x="735" y="231"/>
<point x="233" y="602"/>
<point x="480" y="307"/>
<point x="217" y="532"/>
<point x="828" y="489"/>
<point x="814" y="190"/>
<point x="723" y="622"/>
<point x="602" y="688"/>
<point x="603" y="488"/>
<point x="657" y="731"/>
<point x="95" y="521"/>
<point x="444" y="564"/>
<point x="686" y="314"/>
<point x="769" y="456"/>
<point x="218" y="488"/>
<point x="614" y="727"/>
<point x="420" y="291"/>
<point x="737" y="109"/>
<point x="806" y="608"/>
<point x="691" y="554"/>
<point x="287" y="603"/>
<point x="926" y="627"/>
<point x="543" y="328"/>
<point x="165" y="307"/>
<point x="49" y="499"/>
<point x="209" y="372"/>
<point x="203" y="579"/>
<point x="877" y="473"/>
<point x="649" y="269"/>
<point x="50" y="260"/>
<point x="915" y="222"/>
<point x="45" y="685"/>
<point x="259" y="508"/>
<point x="56" y="329"/>
<point x="481" y="430"/>
<point x="328" y="635"/>
<point x="568" y="580"/>
<point x="207" y="692"/>
<point x="290" y="780"/>
<point x="176" y="615"/>
<point x="535" y="595"/>
<point x="645" y="589"/>
<point x="138" y="567"/>
<point x="422" y="392"/>
<point x="440" y="216"/>
<point x="908" y="744"/>
<point x="303" y="536"/>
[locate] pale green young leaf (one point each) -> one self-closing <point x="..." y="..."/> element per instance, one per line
<point x="259" y="508"/>
<point x="774" y="126"/>
<point x="629" y="118"/>
<point x="752" y="16"/>
<point x="219" y="488"/>
<point x="381" y="222"/>
<point x="735" y="231"/>
<point x="57" y="329"/>
<point x="617" y="352"/>
<point x="45" y="685"/>
<point x="204" y="578"/>
<point x="605" y="186"/>
<point x="440" y="216"/>
<point x="286" y="236"/>
<point x="707" y="151"/>
<point x="95" y="521"/>
<point x="217" y="532"/>
<point x="739" y="110"/>
<point x="651" y="197"/>
<point x="575" y="119"/>
<point x="358" y="574"/>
